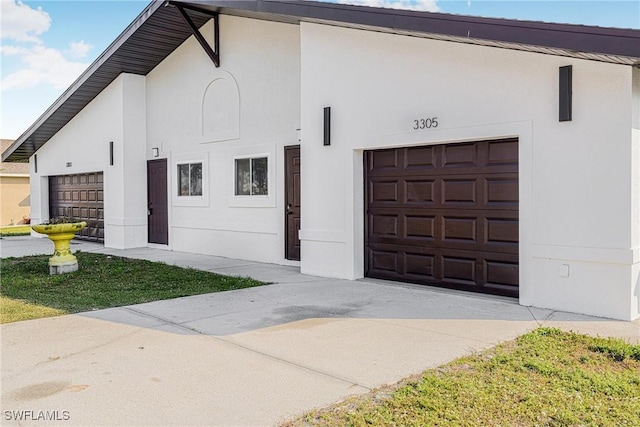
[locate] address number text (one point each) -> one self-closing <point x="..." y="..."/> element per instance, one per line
<point x="429" y="123"/>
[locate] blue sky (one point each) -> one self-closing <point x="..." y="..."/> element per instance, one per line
<point x="47" y="44"/>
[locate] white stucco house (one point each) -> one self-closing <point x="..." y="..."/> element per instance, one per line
<point x="486" y="155"/>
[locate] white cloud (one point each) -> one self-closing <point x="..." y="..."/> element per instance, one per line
<point x="423" y="5"/>
<point x="79" y="49"/>
<point x="43" y="65"/>
<point x="13" y="50"/>
<point x="30" y="61"/>
<point x="22" y="23"/>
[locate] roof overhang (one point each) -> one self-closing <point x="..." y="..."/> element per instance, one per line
<point x="159" y="30"/>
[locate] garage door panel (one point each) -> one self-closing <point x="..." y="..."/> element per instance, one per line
<point x="501" y="230"/>
<point x="458" y="270"/>
<point x="383" y="160"/>
<point x="420" y="265"/>
<point x="422" y="227"/>
<point x="501" y="273"/>
<point x="384" y="225"/>
<point x="452" y="230"/>
<point x="382" y="261"/>
<point x="459" y="191"/>
<point x="384" y="191"/>
<point x="80" y="196"/>
<point x="420" y="191"/>
<point x="503" y="153"/>
<point x="500" y="191"/>
<point x="420" y="158"/>
<point x="460" y="155"/>
<point x="455" y="230"/>
<point x="451" y="218"/>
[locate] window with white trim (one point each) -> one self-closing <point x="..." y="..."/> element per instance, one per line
<point x="189" y="179"/>
<point x="252" y="176"/>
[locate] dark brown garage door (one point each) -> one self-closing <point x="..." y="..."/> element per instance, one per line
<point x="445" y="215"/>
<point x="80" y="196"/>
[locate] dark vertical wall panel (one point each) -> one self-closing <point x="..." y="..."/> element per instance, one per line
<point x="327" y="125"/>
<point x="565" y="93"/>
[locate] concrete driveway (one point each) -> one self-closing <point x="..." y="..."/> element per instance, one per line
<point x="255" y="356"/>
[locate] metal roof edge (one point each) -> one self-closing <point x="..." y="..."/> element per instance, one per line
<point x="547" y="34"/>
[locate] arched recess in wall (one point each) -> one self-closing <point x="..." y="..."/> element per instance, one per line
<point x="221" y="109"/>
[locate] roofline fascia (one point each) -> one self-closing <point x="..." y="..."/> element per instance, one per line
<point x="441" y="23"/>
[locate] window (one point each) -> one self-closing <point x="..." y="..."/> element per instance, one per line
<point x="251" y="176"/>
<point x="190" y="179"/>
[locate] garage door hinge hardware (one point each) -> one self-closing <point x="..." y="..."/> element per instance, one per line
<point x="214" y="53"/>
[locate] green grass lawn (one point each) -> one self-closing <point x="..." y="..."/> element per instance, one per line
<point x="544" y="378"/>
<point x="101" y="281"/>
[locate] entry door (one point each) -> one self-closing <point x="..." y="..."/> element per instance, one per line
<point x="157" y="214"/>
<point x="292" y="202"/>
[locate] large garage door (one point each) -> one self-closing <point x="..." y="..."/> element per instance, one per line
<point x="445" y="215"/>
<point x="80" y="196"/>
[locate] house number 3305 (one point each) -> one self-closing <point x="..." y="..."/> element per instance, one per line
<point x="425" y="123"/>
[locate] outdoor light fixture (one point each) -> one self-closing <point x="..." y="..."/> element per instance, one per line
<point x="111" y="153"/>
<point x="565" y="94"/>
<point x="155" y="151"/>
<point x="327" y="126"/>
<point x="35" y="162"/>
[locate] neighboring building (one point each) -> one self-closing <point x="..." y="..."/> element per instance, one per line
<point x="14" y="190"/>
<point x="480" y="154"/>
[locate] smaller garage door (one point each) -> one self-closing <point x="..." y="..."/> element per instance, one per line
<point x="80" y="196"/>
<point x="445" y="215"/>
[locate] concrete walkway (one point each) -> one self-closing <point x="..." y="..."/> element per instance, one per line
<point x="255" y="356"/>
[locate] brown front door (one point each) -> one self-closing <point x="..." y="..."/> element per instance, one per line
<point x="157" y="214"/>
<point x="445" y="215"/>
<point x="292" y="202"/>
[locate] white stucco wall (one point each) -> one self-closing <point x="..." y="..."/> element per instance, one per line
<point x="576" y="179"/>
<point x="127" y="226"/>
<point x="116" y="114"/>
<point x="635" y="192"/>
<point x="261" y="60"/>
